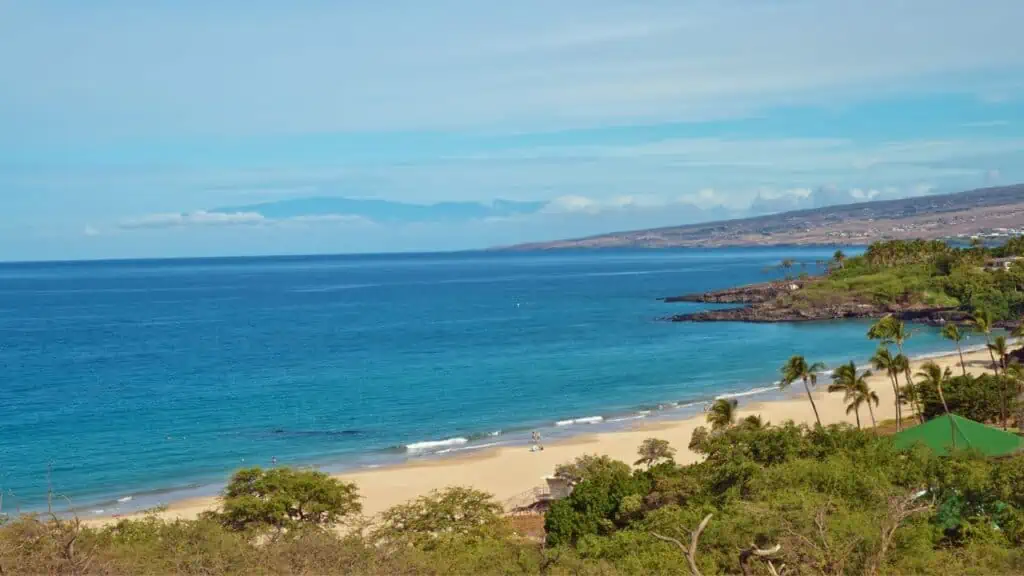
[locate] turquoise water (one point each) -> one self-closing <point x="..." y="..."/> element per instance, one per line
<point x="155" y="379"/>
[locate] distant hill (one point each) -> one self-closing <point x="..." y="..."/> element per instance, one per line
<point x="996" y="211"/>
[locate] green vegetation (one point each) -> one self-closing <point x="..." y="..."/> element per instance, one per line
<point x="283" y="498"/>
<point x="922" y="273"/>
<point x="722" y="413"/>
<point x="797" y="368"/>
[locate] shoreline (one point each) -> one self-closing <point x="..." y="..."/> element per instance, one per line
<point x="511" y="471"/>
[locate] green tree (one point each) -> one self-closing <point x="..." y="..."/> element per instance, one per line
<point x="855" y="389"/>
<point x="839" y="257"/>
<point x="722" y="413"/>
<point x="884" y="360"/>
<point x="891" y="330"/>
<point x="932" y="376"/>
<point x="653" y="450"/>
<point x="589" y="466"/>
<point x="983" y="324"/>
<point x="951" y="332"/>
<point x="284" y="498"/>
<point x="429" y="520"/>
<point x="797" y="368"/>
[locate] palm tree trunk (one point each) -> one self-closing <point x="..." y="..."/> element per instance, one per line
<point x="952" y="425"/>
<point x="896" y="395"/>
<point x="813" y="405"/>
<point x="960" y="351"/>
<point x="872" y="413"/>
<point x="988" y="344"/>
<point x="995" y="369"/>
<point x="910" y="382"/>
<point x="856" y="412"/>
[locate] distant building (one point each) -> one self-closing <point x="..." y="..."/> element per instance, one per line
<point x="1000" y="263"/>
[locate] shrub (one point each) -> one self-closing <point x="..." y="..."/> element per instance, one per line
<point x="453" y="512"/>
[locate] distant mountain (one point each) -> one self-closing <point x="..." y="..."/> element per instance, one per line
<point x="384" y="210"/>
<point x="992" y="211"/>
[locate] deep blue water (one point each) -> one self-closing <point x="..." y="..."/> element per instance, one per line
<point x="132" y="377"/>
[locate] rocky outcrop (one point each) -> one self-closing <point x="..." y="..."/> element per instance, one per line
<point x="765" y="302"/>
<point x="770" y="312"/>
<point x="750" y="294"/>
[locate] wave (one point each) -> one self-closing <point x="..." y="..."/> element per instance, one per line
<point x="434" y="445"/>
<point x="751" y="392"/>
<point x="125" y="499"/>
<point x="469" y="448"/>
<point x="586" y="420"/>
<point x="334" y="288"/>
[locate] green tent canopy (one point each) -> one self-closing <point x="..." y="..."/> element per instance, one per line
<point x="970" y="435"/>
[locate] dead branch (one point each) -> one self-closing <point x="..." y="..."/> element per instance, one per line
<point x="756" y="552"/>
<point x="899" y="510"/>
<point x="691" y="553"/>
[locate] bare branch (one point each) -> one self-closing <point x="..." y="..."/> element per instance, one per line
<point x="670" y="541"/>
<point x="691" y="554"/>
<point x="756" y="552"/>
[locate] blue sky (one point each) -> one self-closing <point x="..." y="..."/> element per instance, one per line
<point x="158" y="128"/>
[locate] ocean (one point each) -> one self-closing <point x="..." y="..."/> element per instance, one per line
<point x="124" y="384"/>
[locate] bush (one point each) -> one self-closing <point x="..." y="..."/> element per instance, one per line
<point x="974" y="397"/>
<point x="284" y="498"/>
<point x="462" y="512"/>
<point x="652" y="450"/>
<point x="596" y="503"/>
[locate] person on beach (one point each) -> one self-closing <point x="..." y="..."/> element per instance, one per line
<point x="273" y="460"/>
<point x="535" y="436"/>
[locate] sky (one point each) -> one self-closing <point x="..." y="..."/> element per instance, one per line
<point x="186" y="128"/>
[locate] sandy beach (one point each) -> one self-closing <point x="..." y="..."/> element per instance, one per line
<point x="509" y="472"/>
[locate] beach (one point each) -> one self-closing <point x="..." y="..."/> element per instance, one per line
<point x="509" y="473"/>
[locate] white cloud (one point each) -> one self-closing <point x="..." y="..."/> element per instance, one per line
<point x="202" y="218"/>
<point x="198" y="218"/>
<point x="986" y="124"/>
<point x="450" y="63"/>
<point x="90" y="232"/>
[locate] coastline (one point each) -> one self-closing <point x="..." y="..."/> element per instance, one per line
<point x="512" y="471"/>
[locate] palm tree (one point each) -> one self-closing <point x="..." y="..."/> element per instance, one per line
<point x="865" y="395"/>
<point x="754" y="421"/>
<point x="846" y="380"/>
<point x="983" y="324"/>
<point x="884" y="360"/>
<point x="722" y="413"/>
<point x="952" y="332"/>
<point x="797" y="368"/>
<point x="893" y="331"/>
<point x="932" y="375"/>
<point x="998" y="349"/>
<point x="1015" y="372"/>
<point x="902" y="365"/>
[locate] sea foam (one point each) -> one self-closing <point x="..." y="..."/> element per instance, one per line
<point x="434" y="445"/>
<point x="587" y="420"/>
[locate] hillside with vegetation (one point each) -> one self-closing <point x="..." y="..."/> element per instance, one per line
<point x="918" y="280"/>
